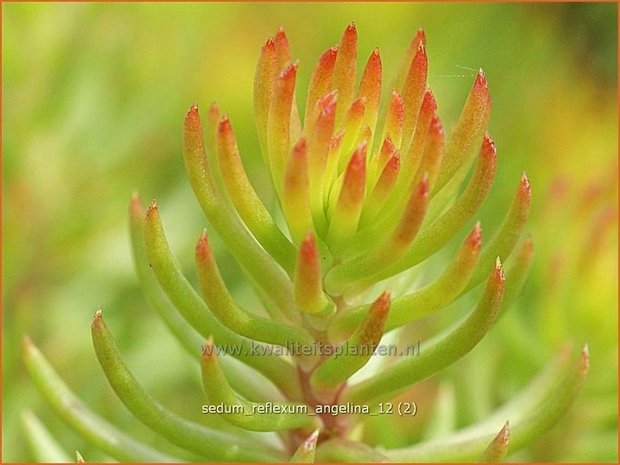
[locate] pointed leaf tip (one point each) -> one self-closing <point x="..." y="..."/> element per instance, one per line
<point x="488" y="145"/>
<point x="499" y="270"/>
<point x="481" y="80"/>
<point x="475" y="237"/>
<point x="585" y="359"/>
<point x="152" y="210"/>
<point x="203" y="251"/>
<point x="429" y="103"/>
<point x="308" y="247"/>
<point x="192" y="118"/>
<point x="421" y="36"/>
<point x="524" y="185"/>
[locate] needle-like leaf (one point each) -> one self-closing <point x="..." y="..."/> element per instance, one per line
<point x="251" y="385"/>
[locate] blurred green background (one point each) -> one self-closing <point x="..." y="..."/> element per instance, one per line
<point x="93" y="103"/>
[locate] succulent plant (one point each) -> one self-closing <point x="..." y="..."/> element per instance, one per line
<point x="360" y="205"/>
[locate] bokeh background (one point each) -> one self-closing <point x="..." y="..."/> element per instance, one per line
<point x="93" y="103"/>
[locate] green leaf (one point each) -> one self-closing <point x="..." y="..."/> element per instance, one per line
<point x="247" y="203"/>
<point x="209" y="443"/>
<point x="532" y="412"/>
<point x="251" y="257"/>
<point x="438" y="353"/>
<point x="243" y="413"/>
<point x="507" y="236"/>
<point x="42" y="444"/>
<point x="386" y="252"/>
<point x="356" y="351"/>
<point x="422" y="302"/>
<point x="197" y="314"/>
<point x="223" y="306"/>
<point x="84" y="421"/>
<point x="245" y="381"/>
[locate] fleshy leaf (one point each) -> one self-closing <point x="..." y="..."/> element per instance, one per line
<point x="357" y="350"/>
<point x="43" y="446"/>
<point x="279" y="123"/>
<point x="225" y="309"/>
<point x="440" y="352"/>
<point x="424" y="301"/>
<point x="296" y="191"/>
<point x="247" y="203"/>
<point x="309" y="294"/>
<point x="387" y="251"/>
<point x="253" y="259"/>
<point x="210" y="443"/>
<point x="532" y="412"/>
<point x="345" y="70"/>
<point x="345" y="218"/>
<point x="196" y="312"/>
<point x="243" y="413"/>
<point x="76" y="414"/>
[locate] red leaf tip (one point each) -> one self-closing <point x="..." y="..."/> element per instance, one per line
<point x="192" y="118"/>
<point x="488" y="146"/>
<point x="299" y="149"/>
<point x="475" y="237"/>
<point x="269" y="43"/>
<point x="203" y="251"/>
<point x="525" y="184"/>
<point x="423" y="186"/>
<point x="481" y="81"/>
<point x="382" y="304"/>
<point x="308" y="249"/>
<point x="504" y="434"/>
<point x="290" y="72"/>
<point x="224" y="126"/>
<point x="429" y="104"/>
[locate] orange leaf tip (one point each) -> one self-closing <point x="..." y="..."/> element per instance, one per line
<point x="308" y="248"/>
<point x="524" y="185"/>
<point x="203" y="251"/>
<point x="475" y="237"/>
<point x="488" y="146"/>
<point x="192" y="118"/>
<point x="481" y="81"/>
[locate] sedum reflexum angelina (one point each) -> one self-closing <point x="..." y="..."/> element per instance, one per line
<point x="365" y="192"/>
